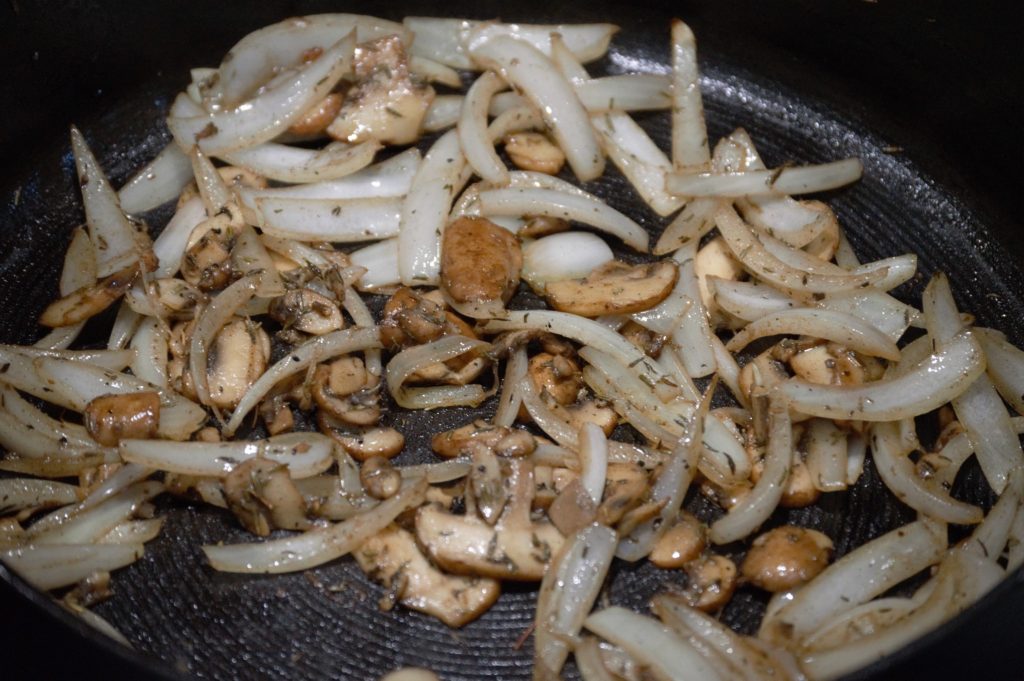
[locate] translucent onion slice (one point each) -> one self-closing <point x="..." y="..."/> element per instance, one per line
<point x="777" y="181"/>
<point x="692" y="337"/>
<point x="319" y="545"/>
<point x="90" y="525"/>
<point x="209" y="323"/>
<point x="526" y="68"/>
<point x="295" y="164"/>
<point x="570" y="586"/>
<point x="638" y="158"/>
<point x="380" y="260"/>
<point x="439" y="178"/>
<point x="696" y="219"/>
<point x="900" y="476"/>
<point x="1005" y="366"/>
<point x="169" y="246"/>
<point x="652" y="644"/>
<point x="566" y="255"/>
<point x="589" y="661"/>
<point x="593" y="454"/>
<point x="443" y="113"/>
<point x="116" y="241"/>
<point x="305" y="454"/>
<point x="123" y="328"/>
<point x="249" y="257"/>
<point x="17" y="494"/>
<point x="214" y="191"/>
<point x="447" y="40"/>
<point x="510" y="398"/>
<point x="626" y="92"/>
<point x="409" y="361"/>
<point x="826" y="455"/>
<point x="753" y="509"/>
<point x="689" y="131"/>
<point x="311" y="352"/>
<point x="434" y="72"/>
<point x="51" y="566"/>
<point x="472" y="128"/>
<point x="134" y="532"/>
<point x="517" y="202"/>
<point x="877" y="308"/>
<point x="838" y="327"/>
<point x="930" y="384"/>
<point x="20" y="437"/>
<point x="748" y="300"/>
<point x="151" y="351"/>
<point x="868" y="571"/>
<point x="333" y="220"/>
<point x="269" y="113"/>
<point x="79" y="271"/>
<point x="159" y="181"/>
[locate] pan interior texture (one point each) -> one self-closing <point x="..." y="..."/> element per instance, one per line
<point x="326" y="622"/>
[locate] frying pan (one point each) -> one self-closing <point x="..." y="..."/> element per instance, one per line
<point x="928" y="96"/>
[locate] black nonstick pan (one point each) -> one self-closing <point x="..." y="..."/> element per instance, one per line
<point x="928" y="96"/>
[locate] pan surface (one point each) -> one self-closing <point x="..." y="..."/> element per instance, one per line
<point x="326" y="623"/>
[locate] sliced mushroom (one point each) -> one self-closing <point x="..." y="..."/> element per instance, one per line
<point x="763" y="372"/>
<point x="487" y="482"/>
<point x="625" y="487"/>
<point x="111" y="418"/>
<point x="711" y="582"/>
<point x="614" y="288"/>
<point x="681" y="543"/>
<point x="715" y="259"/>
<point x="277" y="415"/>
<point x="385" y="104"/>
<point x="237" y="358"/>
<point x="516" y="548"/>
<point x="800" y="489"/>
<point x="557" y="376"/>
<point x="346" y="391"/>
<point x="362" y="443"/>
<point x="380" y="479"/>
<point x="263" y="496"/>
<point x="534" y="151"/>
<point x="645" y="339"/>
<point x="393" y="559"/>
<point x="307" y="311"/>
<point x="316" y="119"/>
<point x="177" y="296"/>
<point x="480" y="265"/>
<point x="502" y="440"/>
<point x="542" y="225"/>
<point x="411" y="318"/>
<point x="573" y="509"/>
<point x="786" y="557"/>
<point x="207" y="262"/>
<point x="593" y="411"/>
<point x="89" y="301"/>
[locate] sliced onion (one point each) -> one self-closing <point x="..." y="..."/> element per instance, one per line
<point x="212" y="188"/>
<point x="311" y="352"/>
<point x="337" y="220"/>
<point x="526" y="68"/>
<point x="696" y="219"/>
<point x="651" y="644"/>
<point x="511" y="399"/>
<point x="17" y="494"/>
<point x="551" y="203"/>
<point x="930" y="384"/>
<point x="151" y="351"/>
<point x="754" y="508"/>
<point x="159" y="181"/>
<point x="79" y="271"/>
<point x="209" y="323"/>
<point x="838" y="327"/>
<point x="409" y="361"/>
<point x="51" y="566"/>
<point x="565" y="255"/>
<point x="317" y="546"/>
<point x="868" y="571"/>
<point x="626" y="92"/>
<point x="692" y="336"/>
<point x="1005" y="367"/>
<point x="22" y="438"/>
<point x="593" y="455"/>
<point x="875" y="307"/>
<point x="638" y="158"/>
<point x="778" y="181"/>
<point x="134" y="532"/>
<point x="269" y="113"/>
<point x="689" y="131"/>
<point x="472" y="129"/>
<point x="439" y="178"/>
<point x="747" y="300"/>
<point x="90" y="525"/>
<point x="826" y="455"/>
<point x="170" y="246"/>
<point x="380" y="260"/>
<point x="443" y="113"/>
<point x="570" y="586"/>
<point x="296" y="164"/>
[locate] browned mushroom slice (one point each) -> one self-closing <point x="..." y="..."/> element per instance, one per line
<point x="593" y="411"/>
<point x="238" y="357"/>
<point x="502" y="440"/>
<point x="263" y="496"/>
<point x="487" y="483"/>
<point x="625" y="487"/>
<point x="178" y="297"/>
<point x="614" y="288"/>
<point x="379" y="478"/>
<point x="557" y="376"/>
<point x="307" y="311"/>
<point x="317" y="118"/>
<point x="786" y="557"/>
<point x="645" y="339"/>
<point x="681" y="543"/>
<point x="393" y="559"/>
<point x="711" y="582"/>
<point x="207" y="263"/>
<point x="347" y="392"/>
<point x="516" y="548"/>
<point x="88" y="301"/>
<point x="385" y="104"/>
<point x="573" y="509"/>
<point x="362" y="443"/>
<point x="480" y="265"/>
<point x="534" y="151"/>
<point x="111" y="418"/>
<point x="411" y="319"/>
<point x="715" y="259"/>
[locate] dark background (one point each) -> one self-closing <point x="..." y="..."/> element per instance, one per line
<point x="941" y="80"/>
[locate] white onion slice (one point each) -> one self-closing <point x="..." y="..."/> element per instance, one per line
<point x="778" y="181"/>
<point x="305" y="454"/>
<point x="826" y="455"/>
<point x="151" y="352"/>
<point x="837" y="327"/>
<point x="295" y="164"/>
<point x="209" y="323"/>
<point x="638" y="158"/>
<point x="380" y="260"/>
<point x="311" y="352"/>
<point x="90" y="525"/>
<point x="1005" y="367"/>
<point x="443" y="113"/>
<point x="753" y="509"/>
<point x="79" y="271"/>
<point x="868" y="571"/>
<point x="694" y="221"/>
<point x="511" y="399"/>
<point x="116" y="241"/>
<point x="51" y="566"/>
<point x="169" y="246"/>
<point x="692" y="336"/>
<point x="317" y="546"/>
<point x="212" y="188"/>
<point x="337" y="221"/>
<point x="409" y="361"/>
<point x="626" y="92"/>
<point x="652" y="644"/>
<point x="747" y="300"/>
<point x="17" y="494"/>
<point x="516" y="202"/>
<point x="929" y="385"/>
<point x="269" y="113"/>
<point x="21" y="438"/>
<point x="472" y="128"/>
<point x="593" y="454"/>
<point x="525" y="67"/>
<point x="134" y="532"/>
<point x="439" y="178"/>
<point x="689" y="132"/>
<point x="565" y="255"/>
<point x="159" y="181"/>
<point x="125" y="323"/>
<point x="570" y="586"/>
<point x="877" y="308"/>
